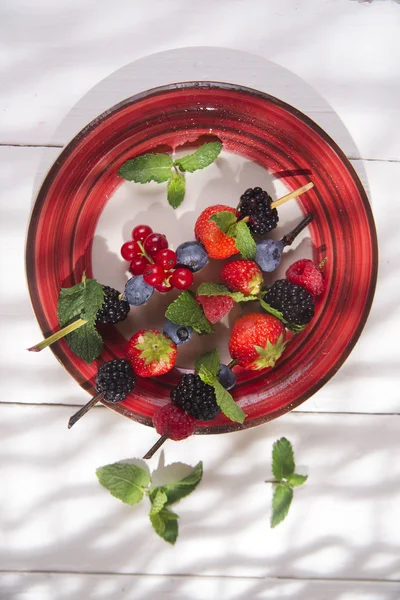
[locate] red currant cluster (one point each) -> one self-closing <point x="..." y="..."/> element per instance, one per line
<point x="150" y="257"/>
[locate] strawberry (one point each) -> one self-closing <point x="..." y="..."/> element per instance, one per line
<point x="215" y="307"/>
<point x="217" y="244"/>
<point x="151" y="353"/>
<point x="257" y="341"/>
<point x="242" y="276"/>
<point x="306" y="274"/>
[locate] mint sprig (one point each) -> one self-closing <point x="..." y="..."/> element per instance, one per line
<point x="77" y="311"/>
<point x="217" y="289"/>
<point x="207" y="367"/>
<point x="158" y="167"/>
<point x="130" y="483"/>
<point x="283" y="469"/>
<point x="228" y="223"/>
<point x="186" y="311"/>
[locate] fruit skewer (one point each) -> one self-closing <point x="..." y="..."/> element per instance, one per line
<point x="115" y="380"/>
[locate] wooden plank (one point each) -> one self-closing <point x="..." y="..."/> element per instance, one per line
<point x="47" y="586"/>
<point x="343" y="523"/>
<point x="49" y="64"/>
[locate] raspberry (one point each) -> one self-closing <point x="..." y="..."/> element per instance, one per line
<point x="215" y="307"/>
<point x="171" y="421"/>
<point x="196" y="398"/>
<point x="113" y="310"/>
<point x="115" y="379"/>
<point x="293" y="301"/>
<point x="306" y="274"/>
<point x="256" y="204"/>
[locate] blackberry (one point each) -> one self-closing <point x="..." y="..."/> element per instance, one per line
<point x="196" y="398"/>
<point x="113" y="310"/>
<point x="256" y="204"/>
<point x="293" y="301"/>
<point x="115" y="379"/>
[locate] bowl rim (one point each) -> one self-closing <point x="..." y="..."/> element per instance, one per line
<point x="201" y="85"/>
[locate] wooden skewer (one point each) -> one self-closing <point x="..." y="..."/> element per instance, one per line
<point x="82" y="411"/>
<point x="156" y="446"/>
<point x="292" y="195"/>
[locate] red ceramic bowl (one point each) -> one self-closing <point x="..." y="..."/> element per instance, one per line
<point x="256" y="126"/>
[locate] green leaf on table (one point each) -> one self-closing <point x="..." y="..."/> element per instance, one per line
<point x="185" y="311"/>
<point x="176" y="190"/>
<point x="158" y="501"/>
<point x="210" y="361"/>
<point x="146" y="168"/>
<point x="296" y="480"/>
<point x="184" y="487"/>
<point x="282" y="459"/>
<point x="165" y="524"/>
<point x="281" y="501"/>
<point x="224" y="220"/>
<point x="204" y="156"/>
<point x="244" y="241"/>
<point x="217" y="289"/>
<point x="124" y="481"/>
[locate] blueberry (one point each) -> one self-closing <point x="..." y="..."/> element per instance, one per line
<point x="227" y="377"/>
<point x="137" y="291"/>
<point x="180" y="334"/>
<point x="268" y="254"/>
<point x="192" y="255"/>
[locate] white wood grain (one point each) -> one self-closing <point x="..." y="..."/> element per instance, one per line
<point x="348" y="51"/>
<point x="63" y="586"/>
<point x="344" y="523"/>
<point x="365" y="383"/>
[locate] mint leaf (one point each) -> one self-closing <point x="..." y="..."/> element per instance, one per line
<point x="158" y="500"/>
<point x="217" y="289"/>
<point x="146" y="168"/>
<point x="165" y="524"/>
<point x="203" y="157"/>
<point x="224" y="220"/>
<point x="227" y="404"/>
<point x="244" y="241"/>
<point x="295" y="480"/>
<point x="210" y="361"/>
<point x="184" y="487"/>
<point x="206" y="376"/>
<point x="176" y="190"/>
<point x="185" y="311"/>
<point x="125" y="482"/>
<point x="212" y="289"/>
<point x="276" y="313"/>
<point x="85" y="342"/>
<point x="82" y="300"/>
<point x="281" y="501"/>
<point x="282" y="459"/>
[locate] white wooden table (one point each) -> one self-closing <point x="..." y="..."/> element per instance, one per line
<point x="63" y="536"/>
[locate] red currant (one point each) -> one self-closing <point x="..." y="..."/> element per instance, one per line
<point x="182" y="279"/>
<point x="155" y="242"/>
<point x="153" y="274"/>
<point x="164" y="286"/>
<point x="138" y="265"/>
<point x="166" y="258"/>
<point x="140" y="232"/>
<point x="129" y="250"/>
